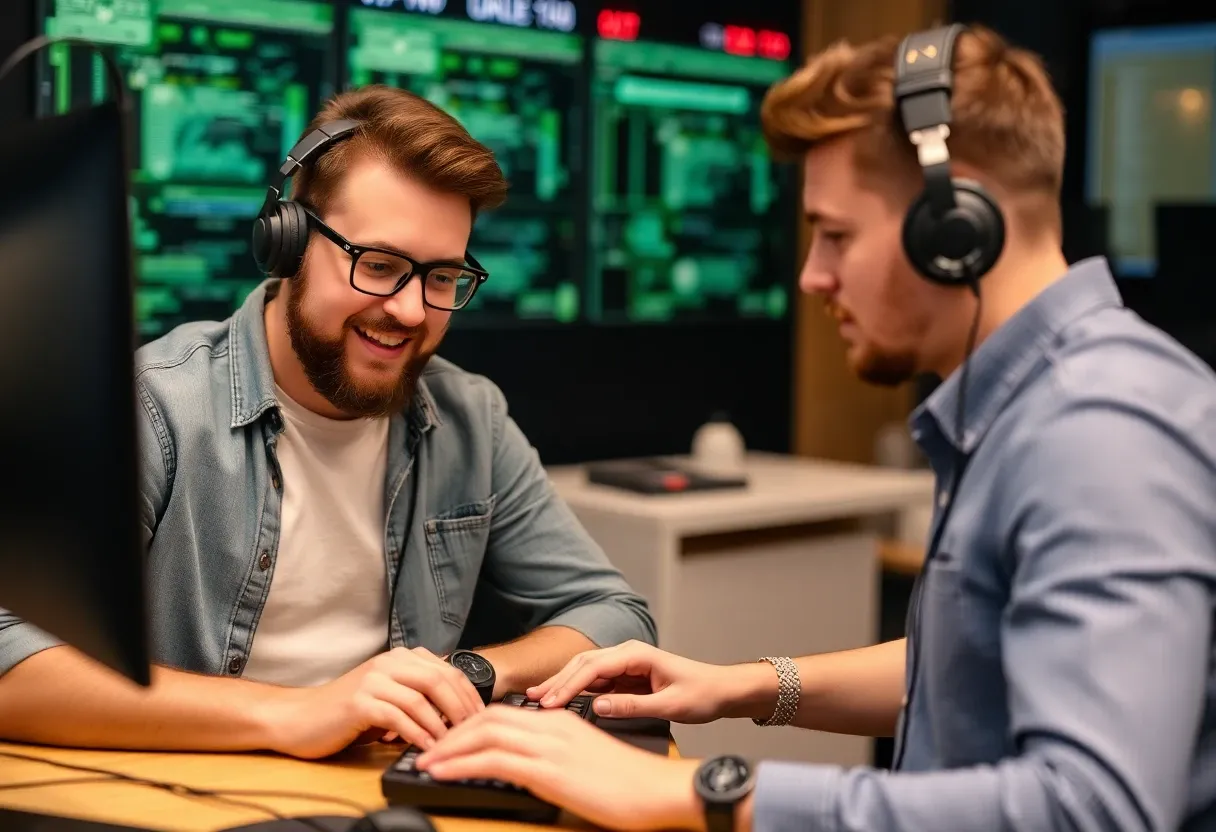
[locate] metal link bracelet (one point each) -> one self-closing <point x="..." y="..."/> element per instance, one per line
<point x="789" y="691"/>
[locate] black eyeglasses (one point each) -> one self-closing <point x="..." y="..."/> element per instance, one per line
<point x="383" y="272"/>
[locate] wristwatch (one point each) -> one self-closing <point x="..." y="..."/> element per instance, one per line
<point x="478" y="670"/>
<point x="721" y="782"/>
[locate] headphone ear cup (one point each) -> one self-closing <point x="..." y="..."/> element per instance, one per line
<point x="961" y="246"/>
<point x="267" y="241"/>
<point x="295" y="238"/>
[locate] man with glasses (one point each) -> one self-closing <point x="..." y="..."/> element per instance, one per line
<point x="334" y="516"/>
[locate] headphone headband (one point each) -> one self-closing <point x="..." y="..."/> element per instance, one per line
<point x="314" y="142"/>
<point x="924" y="83"/>
<point x="280" y="231"/>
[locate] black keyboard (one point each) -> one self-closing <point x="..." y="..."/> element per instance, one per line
<point x="403" y="785"/>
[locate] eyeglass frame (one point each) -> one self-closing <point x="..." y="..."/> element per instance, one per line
<point x="416" y="267"/>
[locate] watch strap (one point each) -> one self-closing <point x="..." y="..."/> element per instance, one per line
<point x="720" y="817"/>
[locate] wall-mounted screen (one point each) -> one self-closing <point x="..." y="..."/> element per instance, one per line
<point x="222" y="88"/>
<point x="641" y="190"/>
<point x="1151" y="138"/>
<point x="691" y="219"/>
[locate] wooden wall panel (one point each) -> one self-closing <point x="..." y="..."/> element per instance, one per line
<point x="836" y="416"/>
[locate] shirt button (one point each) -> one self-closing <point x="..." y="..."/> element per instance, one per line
<point x="942" y="499"/>
<point x="234" y="665"/>
<point x="264" y="561"/>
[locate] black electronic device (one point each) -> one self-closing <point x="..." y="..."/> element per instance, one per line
<point x="280" y="232"/>
<point x="1184" y="288"/>
<point x="477" y="669"/>
<point x="403" y="785"/>
<point x="12" y="820"/>
<point x="954" y="231"/>
<point x="394" y="819"/>
<point x="660" y="475"/>
<point x="71" y="557"/>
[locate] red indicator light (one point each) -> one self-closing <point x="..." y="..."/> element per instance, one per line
<point x="739" y="40"/>
<point x="615" y="25"/>
<point x="773" y="45"/>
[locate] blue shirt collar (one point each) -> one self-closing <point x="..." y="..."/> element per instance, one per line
<point x="252" y="377"/>
<point x="1005" y="360"/>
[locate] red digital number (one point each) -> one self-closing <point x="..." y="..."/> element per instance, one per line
<point x="773" y="45"/>
<point x="615" y="25"/>
<point x="739" y="40"/>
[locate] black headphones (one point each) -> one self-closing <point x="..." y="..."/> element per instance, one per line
<point x="954" y="231"/>
<point x="280" y="232"/>
<point x="953" y="234"/>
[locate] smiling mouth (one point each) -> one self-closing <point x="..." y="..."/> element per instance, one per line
<point x="382" y="339"/>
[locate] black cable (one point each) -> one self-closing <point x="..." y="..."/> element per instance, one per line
<point x="961" y="458"/>
<point x="62" y="781"/>
<point x="182" y="790"/>
<point x="121" y="97"/>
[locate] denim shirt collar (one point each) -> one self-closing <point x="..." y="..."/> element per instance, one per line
<point x="1007" y="358"/>
<point x="252" y="377"/>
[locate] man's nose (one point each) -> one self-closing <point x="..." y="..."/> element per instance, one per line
<point x="407" y="306"/>
<point x="816" y="281"/>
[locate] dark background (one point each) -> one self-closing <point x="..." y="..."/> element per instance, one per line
<point x="585" y="392"/>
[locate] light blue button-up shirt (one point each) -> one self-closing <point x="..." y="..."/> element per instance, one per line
<point x="1067" y="676"/>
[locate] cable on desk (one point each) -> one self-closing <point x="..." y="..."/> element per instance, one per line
<point x="61" y="781"/>
<point x="182" y="790"/>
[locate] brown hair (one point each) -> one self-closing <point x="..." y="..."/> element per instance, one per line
<point x="1007" y="118"/>
<point x="412" y="135"/>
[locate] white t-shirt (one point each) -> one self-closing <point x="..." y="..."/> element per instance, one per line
<point x="328" y="606"/>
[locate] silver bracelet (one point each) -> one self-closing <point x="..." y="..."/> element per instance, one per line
<point x="789" y="691"/>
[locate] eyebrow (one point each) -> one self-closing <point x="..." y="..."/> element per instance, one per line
<point x="816" y="217"/>
<point x="392" y="249"/>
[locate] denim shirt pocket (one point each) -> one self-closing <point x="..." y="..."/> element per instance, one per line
<point x="456" y="541"/>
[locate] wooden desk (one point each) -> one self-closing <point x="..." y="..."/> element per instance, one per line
<point x="352" y="776"/>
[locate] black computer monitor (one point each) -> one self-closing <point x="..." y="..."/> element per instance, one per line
<point x="1184" y="286"/>
<point x="71" y="557"/>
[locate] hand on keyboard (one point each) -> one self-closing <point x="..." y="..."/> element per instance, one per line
<point x="407" y="785"/>
<point x="560" y="759"/>
<point x="639" y="680"/>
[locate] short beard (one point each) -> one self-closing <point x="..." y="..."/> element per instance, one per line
<point x="886" y="370"/>
<point x="324" y="362"/>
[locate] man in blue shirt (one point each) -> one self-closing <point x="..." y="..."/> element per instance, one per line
<point x="1059" y="670"/>
<point x="327" y="508"/>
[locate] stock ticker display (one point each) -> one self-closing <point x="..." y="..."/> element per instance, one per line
<point x="689" y="211"/>
<point x="221" y="89"/>
<point x="640" y="187"/>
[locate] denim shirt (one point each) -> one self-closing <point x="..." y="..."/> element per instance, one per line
<point x="478" y="548"/>
<point x="1067" y="661"/>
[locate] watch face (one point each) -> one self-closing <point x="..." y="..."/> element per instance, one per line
<point x="477" y="669"/>
<point x="722" y="778"/>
